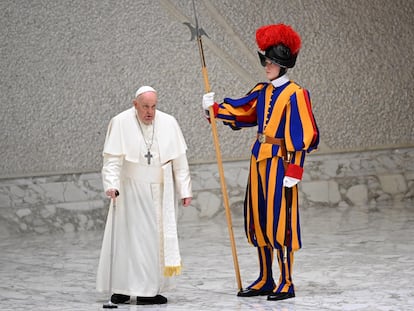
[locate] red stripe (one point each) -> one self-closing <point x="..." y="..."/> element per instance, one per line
<point x="309" y="107"/>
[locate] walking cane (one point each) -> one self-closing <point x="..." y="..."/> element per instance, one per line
<point x="218" y="154"/>
<point x="110" y="304"/>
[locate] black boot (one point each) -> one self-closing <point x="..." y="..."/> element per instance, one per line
<point x="250" y="292"/>
<point x="265" y="279"/>
<point x="280" y="296"/>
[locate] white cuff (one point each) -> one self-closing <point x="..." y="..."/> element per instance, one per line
<point x="289" y="182"/>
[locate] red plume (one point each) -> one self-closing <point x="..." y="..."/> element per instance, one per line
<point x="270" y="35"/>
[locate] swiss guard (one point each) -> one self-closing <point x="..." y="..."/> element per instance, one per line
<point x="286" y="131"/>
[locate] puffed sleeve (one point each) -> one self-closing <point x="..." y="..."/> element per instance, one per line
<point x="301" y="132"/>
<point x="241" y="112"/>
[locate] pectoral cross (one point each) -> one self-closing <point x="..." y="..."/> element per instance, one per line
<point x="148" y="156"/>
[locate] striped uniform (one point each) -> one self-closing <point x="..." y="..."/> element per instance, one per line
<point x="282" y="112"/>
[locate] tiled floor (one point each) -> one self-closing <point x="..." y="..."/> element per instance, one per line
<point x="356" y="258"/>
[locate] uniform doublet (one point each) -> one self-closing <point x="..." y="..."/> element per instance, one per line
<point x="282" y="112"/>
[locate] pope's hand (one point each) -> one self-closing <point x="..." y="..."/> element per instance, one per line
<point x="112" y="193"/>
<point x="208" y="100"/>
<point x="186" y="201"/>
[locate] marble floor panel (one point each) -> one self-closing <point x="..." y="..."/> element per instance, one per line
<point x="355" y="258"/>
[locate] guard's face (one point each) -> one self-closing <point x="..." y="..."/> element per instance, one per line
<point x="272" y="69"/>
<point x="146" y="104"/>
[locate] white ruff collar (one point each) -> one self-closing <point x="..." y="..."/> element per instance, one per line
<point x="280" y="81"/>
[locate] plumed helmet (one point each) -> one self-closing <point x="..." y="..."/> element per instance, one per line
<point x="280" y="44"/>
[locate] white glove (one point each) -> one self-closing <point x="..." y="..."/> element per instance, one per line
<point x="289" y="182"/>
<point x="208" y="100"/>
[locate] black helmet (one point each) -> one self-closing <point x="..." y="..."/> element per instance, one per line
<point x="279" y="54"/>
<point x="280" y="43"/>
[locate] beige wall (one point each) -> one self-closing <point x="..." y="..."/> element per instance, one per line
<point x="69" y="66"/>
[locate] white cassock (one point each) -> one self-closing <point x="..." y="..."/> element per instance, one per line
<point x="146" y="243"/>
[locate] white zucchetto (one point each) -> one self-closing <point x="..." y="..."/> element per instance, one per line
<point x="144" y="89"/>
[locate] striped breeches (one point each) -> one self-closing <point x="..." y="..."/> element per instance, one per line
<point x="265" y="281"/>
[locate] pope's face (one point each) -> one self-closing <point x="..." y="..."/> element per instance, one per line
<point x="146" y="104"/>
